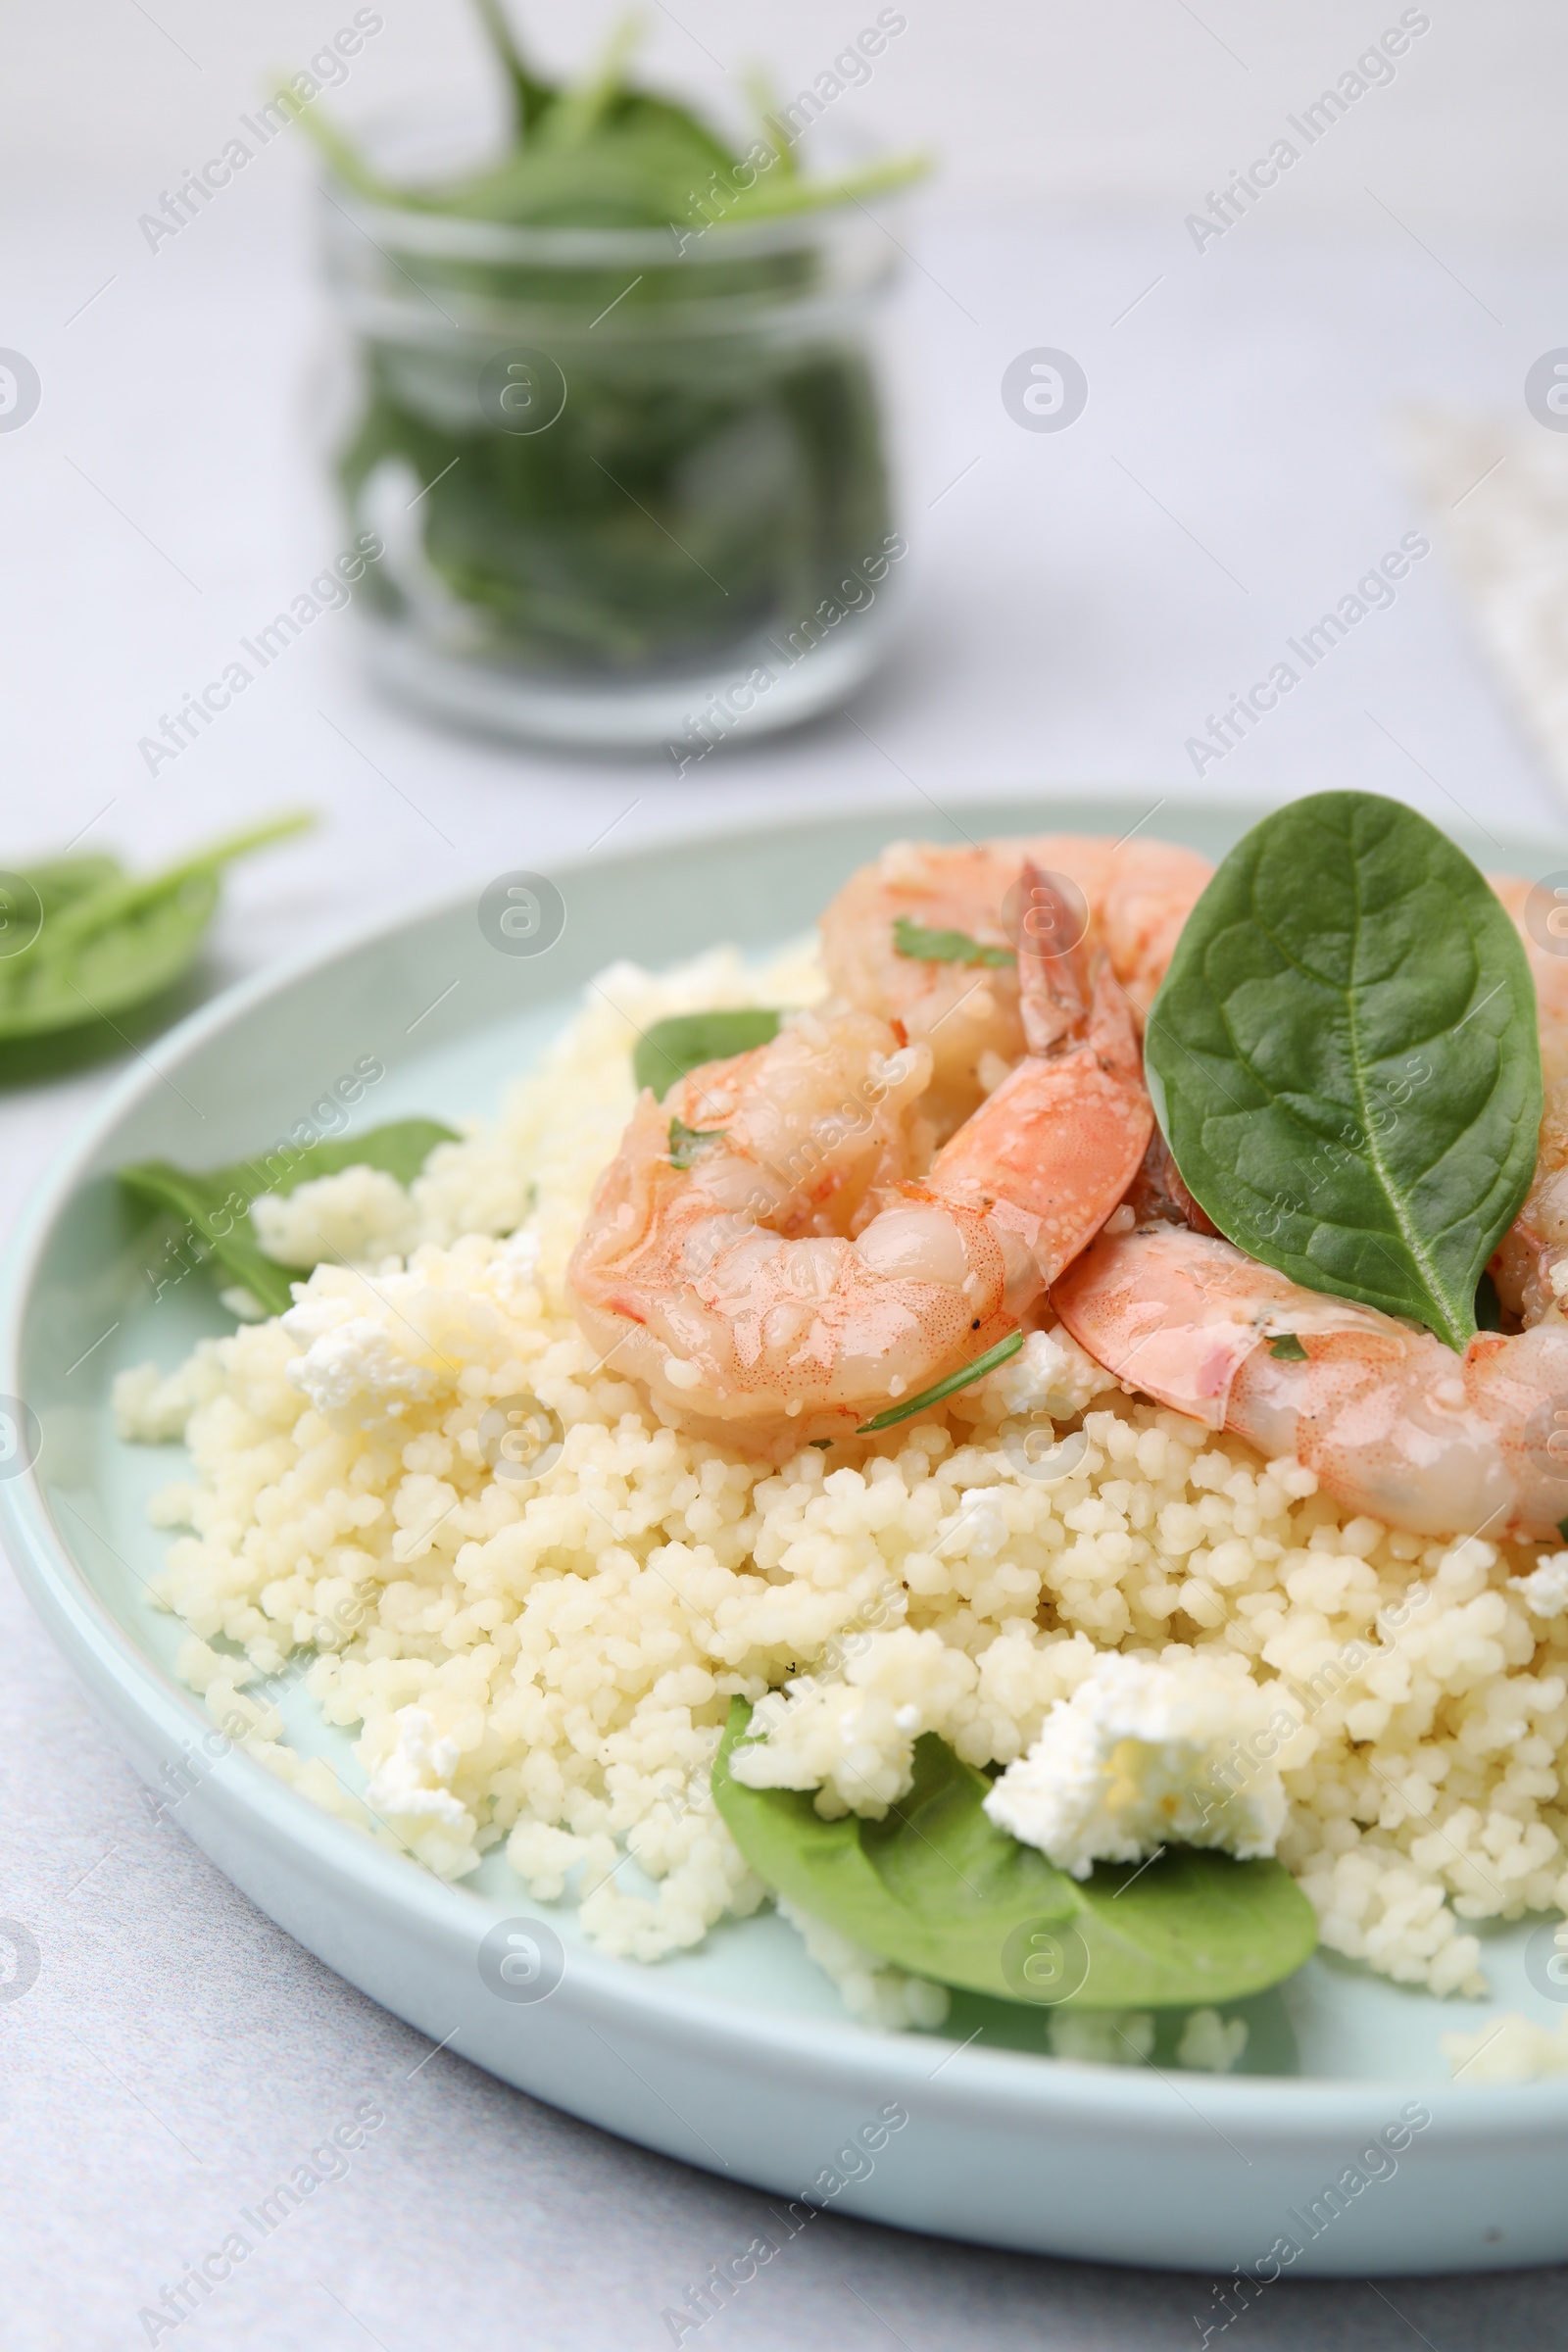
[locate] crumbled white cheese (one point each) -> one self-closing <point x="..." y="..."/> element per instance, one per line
<point x="319" y="1311"/>
<point x="1545" y="1591"/>
<point x="980" y="1530"/>
<point x="1143" y="1755"/>
<point x="359" y="1362"/>
<point x="1049" y="1375"/>
<point x="374" y="1349"/>
<point x="358" y="1216"/>
<point x="1510" y="2049"/>
<point x="410" y="1784"/>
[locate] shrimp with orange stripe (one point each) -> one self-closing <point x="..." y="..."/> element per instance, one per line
<point x="783" y="1246"/>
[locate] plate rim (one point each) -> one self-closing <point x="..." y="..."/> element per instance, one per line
<point x="131" y="1688"/>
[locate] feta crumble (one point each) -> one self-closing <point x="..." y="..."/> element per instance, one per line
<point x="1143" y="1755"/>
<point x="409" y="1785"/>
<point x="1049" y="1375"/>
<point x="371" y="1349"/>
<point x="1545" y="1591"/>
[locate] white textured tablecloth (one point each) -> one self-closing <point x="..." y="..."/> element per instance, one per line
<point x="1087" y="599"/>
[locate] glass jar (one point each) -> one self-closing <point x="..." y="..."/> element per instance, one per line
<point x="632" y="487"/>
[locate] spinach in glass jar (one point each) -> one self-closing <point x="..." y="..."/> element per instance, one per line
<point x="619" y="417"/>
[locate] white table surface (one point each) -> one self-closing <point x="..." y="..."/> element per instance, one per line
<point x="1086" y="598"/>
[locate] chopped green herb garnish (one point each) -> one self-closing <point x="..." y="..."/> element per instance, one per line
<point x="954" y="1381"/>
<point x="685" y="1143"/>
<point x="1562" y="1529"/>
<point x="1288" y="1348"/>
<point x="911" y="939"/>
<point x="822" y="1443"/>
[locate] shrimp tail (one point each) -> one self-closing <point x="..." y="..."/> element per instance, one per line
<point x="1054" y="1147"/>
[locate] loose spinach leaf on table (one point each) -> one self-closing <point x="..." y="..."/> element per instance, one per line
<point x="1345" y="1060"/>
<point x="687" y="1039"/>
<point x="30" y="893"/>
<point x="216" y="1203"/>
<point x="57" y="881"/>
<point x="939" y="1889"/>
<point x="96" y="942"/>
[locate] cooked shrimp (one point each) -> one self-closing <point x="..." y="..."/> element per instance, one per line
<point x="1157" y="1194"/>
<point x="1550" y="969"/>
<point x="763" y="1258"/>
<point x="1136" y="897"/>
<point x="1393" y="1423"/>
<point x="1536" y="1246"/>
<point x="1531" y="1264"/>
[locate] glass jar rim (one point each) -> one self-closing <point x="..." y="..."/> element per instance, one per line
<point x="409" y="229"/>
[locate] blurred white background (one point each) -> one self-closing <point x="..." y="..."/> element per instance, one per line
<point x="1102" y="105"/>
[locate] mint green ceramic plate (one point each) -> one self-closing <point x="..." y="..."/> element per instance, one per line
<point x="738" y="2057"/>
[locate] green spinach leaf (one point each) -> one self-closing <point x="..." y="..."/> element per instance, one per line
<point x="939" y="1889"/>
<point x="602" y="152"/>
<point x="911" y="939"/>
<point x="531" y="97"/>
<point x="214" y="1203"/>
<point x="58" y="880"/>
<point x="107" y="941"/>
<point x="1345" y="1060"/>
<point x="665" y="1052"/>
